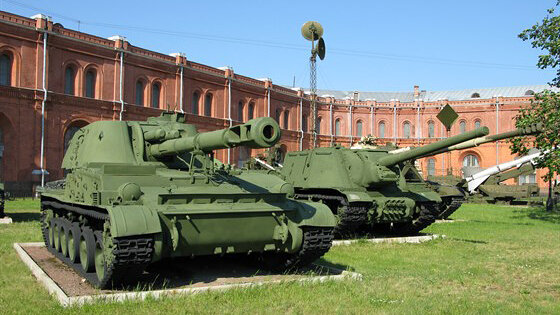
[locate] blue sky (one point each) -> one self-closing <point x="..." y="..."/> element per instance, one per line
<point x="371" y="45"/>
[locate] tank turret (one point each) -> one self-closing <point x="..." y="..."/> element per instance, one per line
<point x="161" y="139"/>
<point x="137" y="192"/>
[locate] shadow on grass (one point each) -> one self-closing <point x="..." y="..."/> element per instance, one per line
<point x="325" y="263"/>
<point x="467" y="240"/>
<point x="24" y="216"/>
<point x="502" y="222"/>
<point x="539" y="213"/>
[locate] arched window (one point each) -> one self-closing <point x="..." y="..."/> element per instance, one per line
<point x="5" y="69"/>
<point x="90" y="83"/>
<point x="477" y="123"/>
<point x="318" y="125"/>
<point x="470" y="160"/>
<point x="240" y="111"/>
<point x="359" y="130"/>
<point x="68" y="136"/>
<point x="431" y="167"/>
<point x="286" y="119"/>
<point x="475" y="95"/>
<point x="406" y="130"/>
<point x="156" y="94"/>
<point x="251" y="111"/>
<point x="69" y="80"/>
<point x="304" y="123"/>
<point x="277" y="115"/>
<point x="529" y="92"/>
<point x="139" y="93"/>
<point x="337" y="127"/>
<point x="462" y="126"/>
<point x="431" y="129"/>
<point x="381" y="129"/>
<point x="195" y="101"/>
<point x="208" y="104"/>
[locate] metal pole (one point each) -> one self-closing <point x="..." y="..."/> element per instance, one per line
<point x="121" y="99"/>
<point x="181" y="91"/>
<point x="313" y="83"/>
<point x="229" y="117"/>
<point x="44" y="78"/>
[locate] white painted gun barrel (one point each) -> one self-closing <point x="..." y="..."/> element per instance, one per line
<point x="479" y="178"/>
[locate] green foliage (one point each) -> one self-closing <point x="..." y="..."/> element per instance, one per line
<point x="546" y="36"/>
<point x="545" y="109"/>
<point x="546" y="106"/>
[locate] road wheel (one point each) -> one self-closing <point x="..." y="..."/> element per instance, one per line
<point x="56" y="234"/>
<point x="64" y="228"/>
<point x="87" y="249"/>
<point x="100" y="264"/>
<point x="74" y="242"/>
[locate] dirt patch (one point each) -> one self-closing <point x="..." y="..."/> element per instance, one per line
<point x="172" y="274"/>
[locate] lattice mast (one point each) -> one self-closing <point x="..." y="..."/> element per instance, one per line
<point x="313" y="31"/>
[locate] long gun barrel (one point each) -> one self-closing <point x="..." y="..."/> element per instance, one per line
<point x="433" y="147"/>
<point x="261" y="132"/>
<point x="479" y="178"/>
<point x="526" y="131"/>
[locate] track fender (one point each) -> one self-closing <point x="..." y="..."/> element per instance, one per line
<point x="314" y="214"/>
<point x="357" y="196"/>
<point x="133" y="220"/>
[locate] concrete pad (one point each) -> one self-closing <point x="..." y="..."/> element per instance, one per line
<point x="406" y="239"/>
<point x="5" y="220"/>
<point x="449" y="221"/>
<point x="210" y="275"/>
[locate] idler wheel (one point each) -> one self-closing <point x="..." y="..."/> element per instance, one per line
<point x="56" y="234"/>
<point x="64" y="228"/>
<point x="74" y="242"/>
<point x="87" y="249"/>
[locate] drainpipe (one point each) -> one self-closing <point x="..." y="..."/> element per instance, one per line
<point x="229" y="117"/>
<point x="372" y="120"/>
<point x="268" y="101"/>
<point x="395" y="122"/>
<point x="121" y="100"/>
<point x="42" y="165"/>
<point x="497" y="128"/>
<point x="181" y="91"/>
<point x="301" y="123"/>
<point x="442" y="155"/>
<point x="351" y="125"/>
<point x="331" y="117"/>
<point x="418" y="129"/>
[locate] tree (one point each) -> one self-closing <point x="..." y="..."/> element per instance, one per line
<point x="545" y="108"/>
<point x="546" y="36"/>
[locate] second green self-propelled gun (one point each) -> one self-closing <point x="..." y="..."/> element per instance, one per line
<point x="140" y="191"/>
<point x="366" y="188"/>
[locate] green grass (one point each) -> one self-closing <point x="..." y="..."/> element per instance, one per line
<point x="500" y="260"/>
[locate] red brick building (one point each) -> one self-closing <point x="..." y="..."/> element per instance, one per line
<point x="68" y="79"/>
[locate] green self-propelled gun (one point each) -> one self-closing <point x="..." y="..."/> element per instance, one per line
<point x="140" y="191"/>
<point x="367" y="188"/>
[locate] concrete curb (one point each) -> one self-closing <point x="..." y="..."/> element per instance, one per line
<point x="66" y="300"/>
<point x="6" y="220"/>
<point x="407" y="239"/>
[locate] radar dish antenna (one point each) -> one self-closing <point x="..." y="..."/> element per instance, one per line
<point x="313" y="31"/>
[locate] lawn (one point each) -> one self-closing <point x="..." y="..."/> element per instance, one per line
<point x="498" y="260"/>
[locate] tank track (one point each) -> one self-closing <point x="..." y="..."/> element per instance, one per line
<point x="428" y="214"/>
<point x="451" y="208"/>
<point x="316" y="242"/>
<point x="131" y="255"/>
<point x="350" y="219"/>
